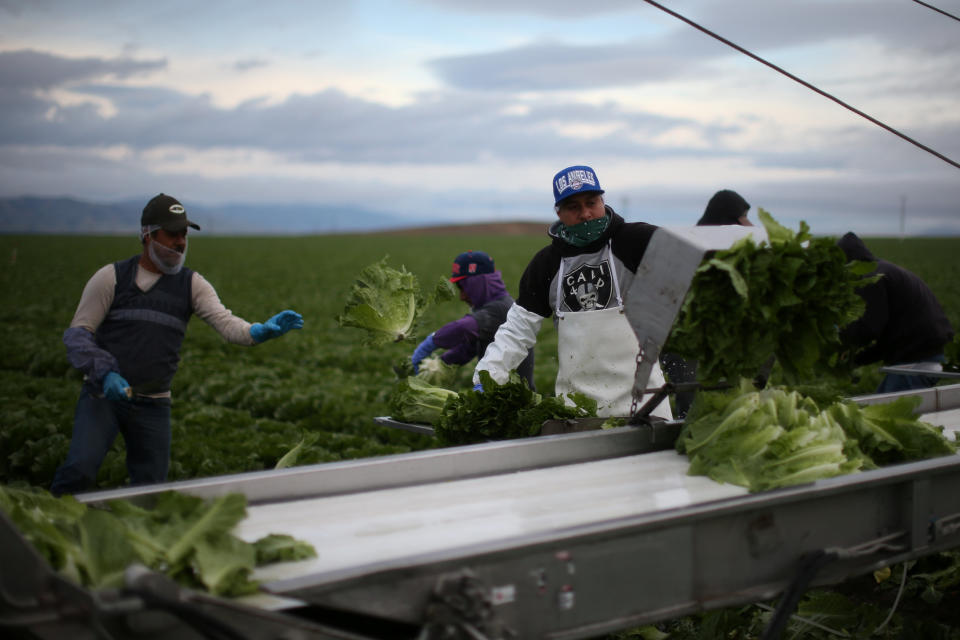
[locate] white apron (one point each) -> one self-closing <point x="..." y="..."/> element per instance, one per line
<point x="597" y="353"/>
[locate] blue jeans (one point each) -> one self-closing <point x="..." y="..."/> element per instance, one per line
<point x="145" y="426"/>
<point x="900" y="382"/>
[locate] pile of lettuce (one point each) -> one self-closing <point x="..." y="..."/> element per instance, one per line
<point x="777" y="437"/>
<point x="386" y="303"/>
<point x="788" y="298"/>
<point x="504" y="411"/>
<point x="185" y="537"/>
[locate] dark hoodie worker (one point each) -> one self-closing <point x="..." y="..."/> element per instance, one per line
<point x="481" y="286"/>
<point x="725" y="207"/>
<point x="903" y="323"/>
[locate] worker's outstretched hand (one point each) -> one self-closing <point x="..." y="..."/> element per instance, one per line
<point x="116" y="388"/>
<point x="276" y="326"/>
<point x="423" y="350"/>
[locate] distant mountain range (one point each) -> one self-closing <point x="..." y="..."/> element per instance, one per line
<point x="68" y="215"/>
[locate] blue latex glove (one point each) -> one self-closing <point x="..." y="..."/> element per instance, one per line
<point x="423" y="349"/>
<point x="116" y="388"/>
<point x="478" y="388"/>
<point x="276" y="326"/>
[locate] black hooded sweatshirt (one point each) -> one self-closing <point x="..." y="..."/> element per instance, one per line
<point x="903" y="318"/>
<point x="628" y="243"/>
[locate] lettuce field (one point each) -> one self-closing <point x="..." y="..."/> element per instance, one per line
<point x="241" y="409"/>
<point x="234" y="408"/>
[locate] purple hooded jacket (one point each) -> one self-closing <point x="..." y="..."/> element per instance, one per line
<point x="459" y="337"/>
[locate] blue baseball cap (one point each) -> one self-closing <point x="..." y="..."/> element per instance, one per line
<point x="470" y="263"/>
<point x="576" y="179"/>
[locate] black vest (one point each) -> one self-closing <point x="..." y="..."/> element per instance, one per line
<point x="489" y="317"/>
<point x="144" y="330"/>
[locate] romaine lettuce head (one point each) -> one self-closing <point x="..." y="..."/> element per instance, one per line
<point x="432" y="370"/>
<point x="435" y="371"/>
<point x="917" y="440"/>
<point x="414" y="400"/>
<point x="383" y="301"/>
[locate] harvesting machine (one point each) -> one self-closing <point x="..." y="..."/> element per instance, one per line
<point x="563" y="536"/>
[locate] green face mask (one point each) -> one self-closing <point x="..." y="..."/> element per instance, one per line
<point x="580" y="235"/>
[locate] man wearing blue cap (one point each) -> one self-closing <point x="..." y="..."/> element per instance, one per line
<point x="580" y="279"/>
<point x="481" y="286"/>
<point x="125" y="337"/>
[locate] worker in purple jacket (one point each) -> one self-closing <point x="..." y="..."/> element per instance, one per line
<point x="481" y="286"/>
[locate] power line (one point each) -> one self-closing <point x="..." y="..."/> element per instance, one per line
<point x="930" y="6"/>
<point x="803" y="82"/>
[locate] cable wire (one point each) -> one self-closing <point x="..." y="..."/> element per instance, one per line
<point x="896" y="601"/>
<point x="803" y="82"/>
<point x="930" y="6"/>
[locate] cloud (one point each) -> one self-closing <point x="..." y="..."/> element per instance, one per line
<point x="560" y="9"/>
<point x="248" y="64"/>
<point x="458" y="129"/>
<point x="481" y="115"/>
<point x="900" y="25"/>
<point x="28" y="70"/>
<point x="905" y="35"/>
<point x="761" y="24"/>
<point x="552" y="66"/>
<point x="14" y="7"/>
<point x="331" y="125"/>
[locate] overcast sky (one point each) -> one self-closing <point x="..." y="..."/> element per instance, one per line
<point x="465" y="109"/>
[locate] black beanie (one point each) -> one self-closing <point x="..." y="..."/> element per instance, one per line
<point x="854" y="248"/>
<point x="725" y="207"/>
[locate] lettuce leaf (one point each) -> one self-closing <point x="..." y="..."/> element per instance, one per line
<point x="504" y="411"/>
<point x="187" y="538"/>
<point x="891" y="433"/>
<point x="224" y="564"/>
<point x="290" y="458"/>
<point x="277" y="547"/>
